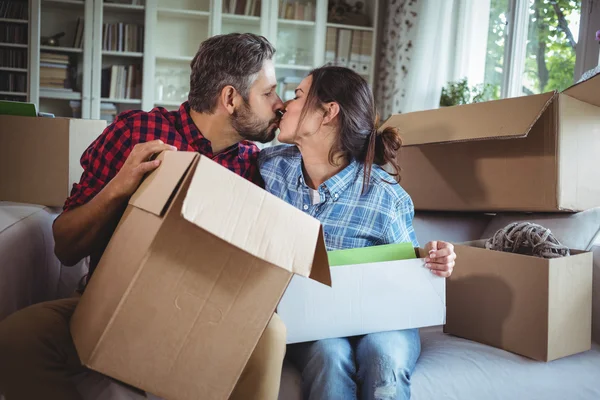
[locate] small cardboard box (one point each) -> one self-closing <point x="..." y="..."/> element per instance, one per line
<point x="388" y="292"/>
<point x="539" y="308"/>
<point x="191" y="278"/>
<point x="532" y="153"/>
<point x="39" y="157"/>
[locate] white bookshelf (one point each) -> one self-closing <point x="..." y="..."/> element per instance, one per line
<point x="129" y="54"/>
<point x="50" y="94"/>
<point x="68" y="62"/>
<point x="183" y="13"/>
<point x="9" y="69"/>
<point x="61" y="49"/>
<point x="13" y="45"/>
<point x="172" y="33"/>
<point x="13" y="94"/>
<point x="124" y="7"/>
<point x="64" y="3"/>
<point x="14" y="21"/>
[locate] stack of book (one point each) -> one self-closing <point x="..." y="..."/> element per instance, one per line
<point x="123" y="37"/>
<point x="296" y="10"/>
<point x="242" y="7"/>
<point x="54" y="71"/>
<point x="122" y="82"/>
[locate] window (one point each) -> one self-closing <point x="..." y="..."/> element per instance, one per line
<point x="531" y="46"/>
<point x="551" y="42"/>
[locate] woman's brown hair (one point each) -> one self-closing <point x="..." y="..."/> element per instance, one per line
<point x="359" y="138"/>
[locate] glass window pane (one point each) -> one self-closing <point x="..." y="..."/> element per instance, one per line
<point x="552" y="38"/>
<point x="497" y="36"/>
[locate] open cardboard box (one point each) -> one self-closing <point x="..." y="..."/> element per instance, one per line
<point x="39" y="157"/>
<point x="539" y="308"/>
<point x="191" y="278"/>
<point x="387" y="289"/>
<point x="532" y="153"/>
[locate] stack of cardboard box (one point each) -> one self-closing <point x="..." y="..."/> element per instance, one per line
<point x="534" y="153"/>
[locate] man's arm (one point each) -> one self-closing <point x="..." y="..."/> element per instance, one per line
<point x="82" y="230"/>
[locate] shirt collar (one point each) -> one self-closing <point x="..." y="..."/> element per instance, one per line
<point x="340" y="181"/>
<point x="193" y="135"/>
<point x="337" y="183"/>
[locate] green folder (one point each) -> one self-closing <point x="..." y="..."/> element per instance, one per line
<point x="17" y="108"/>
<point x="373" y="254"/>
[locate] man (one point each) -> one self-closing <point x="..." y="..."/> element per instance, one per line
<point x="232" y="99"/>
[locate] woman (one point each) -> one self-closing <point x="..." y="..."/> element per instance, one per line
<point x="333" y="171"/>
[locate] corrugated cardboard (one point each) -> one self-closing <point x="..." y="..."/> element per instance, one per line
<point x="535" y="307"/>
<point x="532" y="153"/>
<point x="364" y="298"/>
<point x="39" y="157"/>
<point x="191" y="278"/>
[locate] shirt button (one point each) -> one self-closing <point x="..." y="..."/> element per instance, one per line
<point x="305" y="207"/>
<point x="336" y="195"/>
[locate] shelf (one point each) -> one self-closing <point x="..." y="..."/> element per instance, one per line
<point x="121" y="101"/>
<point x="8" y="69"/>
<point x="183" y="13"/>
<point x="241" y="18"/>
<point x="61" y="49"/>
<point x="122" y="54"/>
<point x="295" y="67"/>
<point x="296" y="22"/>
<point x="15" y="45"/>
<point x="14" y="21"/>
<point x="167" y="103"/>
<point x="352" y="27"/>
<point x="16" y="94"/>
<point x="123" y="7"/>
<point x="58" y="94"/>
<point x="62" y="3"/>
<point x="174" y="58"/>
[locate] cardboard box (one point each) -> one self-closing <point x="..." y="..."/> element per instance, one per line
<point x="191" y="278"/>
<point x="368" y="297"/>
<point x="39" y="157"/>
<point x="539" y="308"/>
<point x="532" y="153"/>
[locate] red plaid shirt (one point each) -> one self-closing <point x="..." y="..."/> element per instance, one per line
<point x="106" y="155"/>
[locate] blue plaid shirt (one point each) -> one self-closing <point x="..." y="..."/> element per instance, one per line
<point x="350" y="219"/>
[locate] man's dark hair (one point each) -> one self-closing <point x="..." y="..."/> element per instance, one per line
<point x="233" y="59"/>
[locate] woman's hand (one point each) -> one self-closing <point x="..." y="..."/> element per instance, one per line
<point x="441" y="258"/>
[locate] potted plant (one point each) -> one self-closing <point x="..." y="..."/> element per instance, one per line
<point x="459" y="92"/>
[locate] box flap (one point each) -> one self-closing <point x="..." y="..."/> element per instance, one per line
<point x="156" y="189"/>
<point x="248" y="217"/>
<point x="587" y="91"/>
<point x="499" y="119"/>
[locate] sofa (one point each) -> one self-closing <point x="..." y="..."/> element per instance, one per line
<point x="448" y="368"/>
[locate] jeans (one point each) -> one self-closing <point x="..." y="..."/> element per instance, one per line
<point x="377" y="366"/>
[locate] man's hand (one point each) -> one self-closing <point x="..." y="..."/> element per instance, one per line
<point x="127" y="180"/>
<point x="86" y="229"/>
<point x="441" y="258"/>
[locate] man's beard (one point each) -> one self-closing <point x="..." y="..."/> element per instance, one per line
<point x="250" y="127"/>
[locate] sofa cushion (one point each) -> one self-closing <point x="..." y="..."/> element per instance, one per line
<point x="577" y="231"/>
<point x="454" y="368"/>
<point x="460" y="369"/>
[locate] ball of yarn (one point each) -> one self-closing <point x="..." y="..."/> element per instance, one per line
<point x="527" y="238"/>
